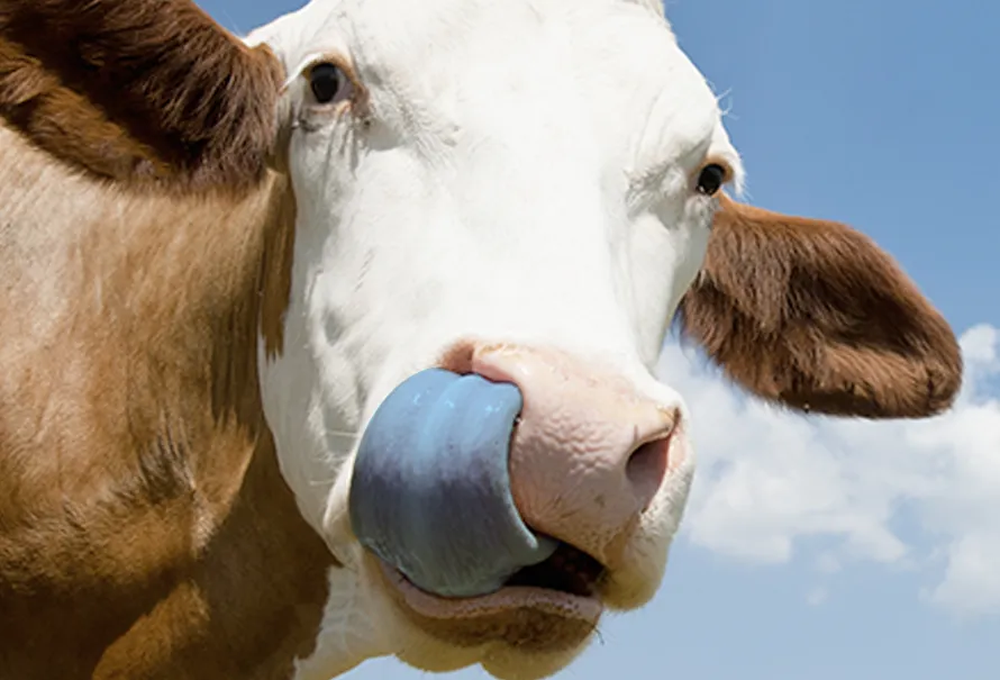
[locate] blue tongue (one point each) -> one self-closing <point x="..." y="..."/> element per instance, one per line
<point x="430" y="493"/>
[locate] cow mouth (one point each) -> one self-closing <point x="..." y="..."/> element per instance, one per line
<point x="568" y="570"/>
<point x="551" y="605"/>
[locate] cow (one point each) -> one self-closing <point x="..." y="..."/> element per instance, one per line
<point x="220" y="255"/>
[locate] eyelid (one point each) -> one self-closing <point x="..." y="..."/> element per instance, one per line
<point x="307" y="64"/>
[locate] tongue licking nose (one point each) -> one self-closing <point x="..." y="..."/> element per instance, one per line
<point x="590" y="452"/>
<point x="461" y="481"/>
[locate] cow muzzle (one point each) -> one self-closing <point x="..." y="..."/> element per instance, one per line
<point x="508" y="470"/>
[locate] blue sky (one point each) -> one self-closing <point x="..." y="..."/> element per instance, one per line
<point x="818" y="549"/>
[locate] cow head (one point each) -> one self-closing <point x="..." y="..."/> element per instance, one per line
<point x="526" y="191"/>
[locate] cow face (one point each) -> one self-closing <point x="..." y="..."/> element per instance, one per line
<point x="520" y="191"/>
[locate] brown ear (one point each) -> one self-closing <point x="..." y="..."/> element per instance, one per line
<point x="137" y="90"/>
<point x="813" y="315"/>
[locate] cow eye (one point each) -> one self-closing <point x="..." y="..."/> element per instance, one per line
<point x="711" y="179"/>
<point x="328" y="82"/>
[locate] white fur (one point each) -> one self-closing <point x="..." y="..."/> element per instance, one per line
<point x="526" y="177"/>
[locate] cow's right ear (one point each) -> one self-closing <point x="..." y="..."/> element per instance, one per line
<point x="138" y="91"/>
<point x="813" y="315"/>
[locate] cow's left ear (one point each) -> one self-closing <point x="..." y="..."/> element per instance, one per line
<point x="813" y="315"/>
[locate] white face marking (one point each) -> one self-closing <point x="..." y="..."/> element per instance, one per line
<point x="527" y="175"/>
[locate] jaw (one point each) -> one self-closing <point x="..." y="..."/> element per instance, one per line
<point x="535" y="621"/>
<point x="518" y="633"/>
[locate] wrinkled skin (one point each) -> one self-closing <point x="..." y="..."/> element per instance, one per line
<point x="520" y="173"/>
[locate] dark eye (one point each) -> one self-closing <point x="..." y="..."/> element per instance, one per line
<point x="711" y="179"/>
<point x="327" y="80"/>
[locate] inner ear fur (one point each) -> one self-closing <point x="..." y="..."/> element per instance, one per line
<point x="812" y="315"/>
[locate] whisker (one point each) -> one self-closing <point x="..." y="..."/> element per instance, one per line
<point x="346" y="434"/>
<point x="322" y="482"/>
<point x="353" y="437"/>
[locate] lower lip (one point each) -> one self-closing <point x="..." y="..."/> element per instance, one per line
<point x="505" y="600"/>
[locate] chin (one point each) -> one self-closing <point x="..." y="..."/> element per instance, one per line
<point x="520" y="632"/>
<point x="545" y="616"/>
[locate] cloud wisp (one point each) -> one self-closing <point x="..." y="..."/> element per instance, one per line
<point x="919" y="495"/>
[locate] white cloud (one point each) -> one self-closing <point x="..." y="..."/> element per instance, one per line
<point x="919" y="495"/>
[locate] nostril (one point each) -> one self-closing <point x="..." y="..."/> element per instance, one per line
<point x="646" y="468"/>
<point x="458" y="358"/>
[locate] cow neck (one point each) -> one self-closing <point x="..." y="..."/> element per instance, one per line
<point x="147" y="500"/>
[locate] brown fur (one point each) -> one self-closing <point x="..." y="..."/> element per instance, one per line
<point x="145" y="529"/>
<point x="813" y="315"/>
<point x="144" y="525"/>
<point x="137" y="90"/>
